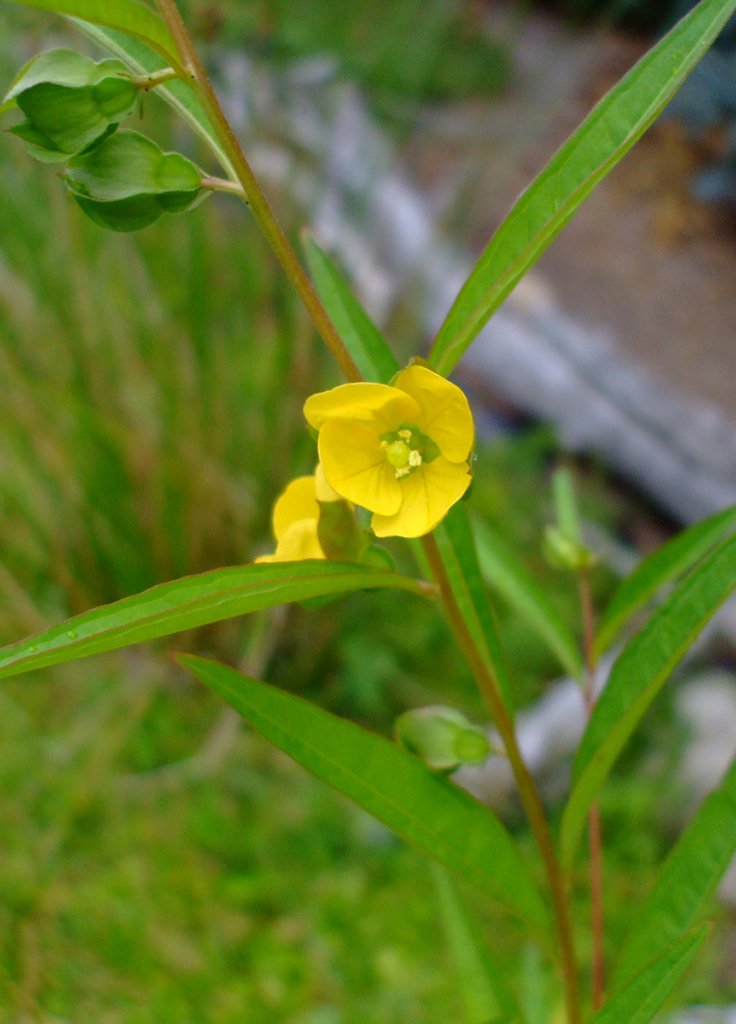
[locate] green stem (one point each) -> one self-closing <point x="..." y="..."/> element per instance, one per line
<point x="224" y="185"/>
<point x="147" y="82"/>
<point x="528" y="792"/>
<point x="256" y="199"/>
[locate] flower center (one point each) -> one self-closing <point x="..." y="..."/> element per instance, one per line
<point x="407" y="448"/>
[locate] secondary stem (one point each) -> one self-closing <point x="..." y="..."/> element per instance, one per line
<point x="224" y="185"/>
<point x="528" y="792"/>
<point x="147" y="82"/>
<point x="594" y="818"/>
<point x="256" y="199"/>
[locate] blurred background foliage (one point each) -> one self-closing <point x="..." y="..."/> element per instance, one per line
<point x="452" y="55"/>
<point x="158" y="864"/>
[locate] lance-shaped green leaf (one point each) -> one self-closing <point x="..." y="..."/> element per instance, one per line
<point x="194" y="601"/>
<point x="481" y="979"/>
<point x="686" y="882"/>
<point x="609" y="131"/>
<point x="667" y="563"/>
<point x="503" y="572"/>
<point x="456" y="545"/>
<point x="127" y="182"/>
<point x="177" y="94"/>
<point x="129" y="16"/>
<point x="69" y="102"/>
<point x="638" y="675"/>
<point x="638" y="1001"/>
<point x="423" y="807"/>
<point x="363" y="340"/>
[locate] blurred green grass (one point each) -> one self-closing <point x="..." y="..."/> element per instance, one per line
<point x="452" y="55"/>
<point x="152" y="399"/>
<point x="151" y="389"/>
<point x="253" y="897"/>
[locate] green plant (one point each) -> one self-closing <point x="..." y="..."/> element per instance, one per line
<point x="399" y="442"/>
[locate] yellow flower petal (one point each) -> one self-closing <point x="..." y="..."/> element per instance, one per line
<point x="355" y="465"/>
<point x="427" y="494"/>
<point x="323" y="490"/>
<point x="445" y="415"/>
<point x="379" y="403"/>
<point x="298" y="542"/>
<point x="298" y="501"/>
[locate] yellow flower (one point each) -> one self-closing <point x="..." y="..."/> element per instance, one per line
<point x="295" y="519"/>
<point x="399" y="450"/>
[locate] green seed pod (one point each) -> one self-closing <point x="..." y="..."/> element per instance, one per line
<point x="127" y="182"/>
<point x="69" y="102"/>
<point x="442" y="736"/>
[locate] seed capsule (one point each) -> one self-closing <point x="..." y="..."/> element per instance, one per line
<point x="70" y="103"/>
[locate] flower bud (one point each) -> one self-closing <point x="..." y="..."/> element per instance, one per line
<point x="69" y="102"/>
<point x="339" y="535"/>
<point x="563" y="552"/>
<point x="442" y="736"/>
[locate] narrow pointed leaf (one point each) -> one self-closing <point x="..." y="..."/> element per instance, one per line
<point x="425" y="808"/>
<point x="482" y="983"/>
<point x="130" y="16"/>
<point x="456" y="545"/>
<point x="505" y="573"/>
<point x="667" y="563"/>
<point x="686" y="881"/>
<point x="363" y="340"/>
<point x="193" y="601"/>
<point x="638" y="675"/>
<point x="609" y="131"/>
<point x="176" y="93"/>
<point x="638" y="1001"/>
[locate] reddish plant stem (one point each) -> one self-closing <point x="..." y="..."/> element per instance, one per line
<point x="254" y="195"/>
<point x="596" y="894"/>
<point x="594" y="817"/>
<point x="489" y="688"/>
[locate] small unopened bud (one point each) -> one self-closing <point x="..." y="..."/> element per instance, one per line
<point x="563" y="545"/>
<point x="563" y="552"/>
<point x="442" y="737"/>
